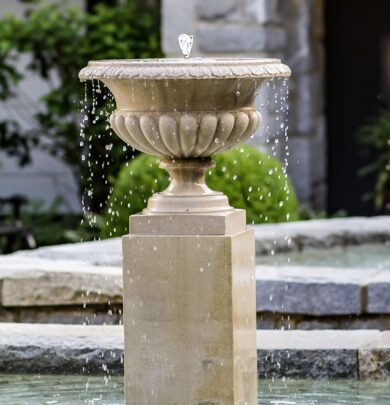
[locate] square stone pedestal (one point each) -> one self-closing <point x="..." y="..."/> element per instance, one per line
<point x="190" y="315"/>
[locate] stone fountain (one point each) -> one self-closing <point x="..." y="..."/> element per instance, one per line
<point x="189" y="260"/>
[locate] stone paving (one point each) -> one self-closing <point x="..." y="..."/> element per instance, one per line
<point x="99" y="350"/>
<point x="82" y="282"/>
<point x="321" y="233"/>
<point x="59" y="284"/>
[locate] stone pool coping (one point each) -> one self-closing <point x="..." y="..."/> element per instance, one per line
<point x="53" y="284"/>
<point x="316" y="291"/>
<point x="299" y="235"/>
<point x="48" y="348"/>
<point x="321" y="233"/>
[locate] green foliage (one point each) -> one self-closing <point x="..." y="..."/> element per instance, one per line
<point x="47" y="226"/>
<point x="375" y="136"/>
<point x="307" y="213"/>
<point x="61" y="40"/>
<point x="251" y="180"/>
<point x="255" y="182"/>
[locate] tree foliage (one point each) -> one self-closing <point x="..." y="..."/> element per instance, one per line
<point x="60" y="40"/>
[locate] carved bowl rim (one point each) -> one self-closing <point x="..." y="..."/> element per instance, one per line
<point x="194" y="68"/>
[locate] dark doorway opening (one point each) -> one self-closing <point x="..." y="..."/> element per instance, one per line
<point x="358" y="35"/>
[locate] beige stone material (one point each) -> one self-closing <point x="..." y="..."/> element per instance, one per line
<point x="189" y="315"/>
<point x="189" y="264"/>
<point x="185" y="110"/>
<point x="197" y="134"/>
<point x="188" y="192"/>
<point x="320" y="339"/>
<point x="181" y="69"/>
<point x="40" y="282"/>
<point x="218" y="223"/>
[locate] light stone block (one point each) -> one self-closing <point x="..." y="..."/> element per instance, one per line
<point x="374" y="363"/>
<point x="28" y="282"/>
<point x="300" y="166"/>
<point x="190" y="319"/>
<point x="218" y="223"/>
<point x="307" y="96"/>
<point x="263" y="11"/>
<point x="374" y="358"/>
<point x="318" y="153"/>
<point x="177" y="18"/>
<point x="107" y="252"/>
<point x="238" y="38"/>
<point x="321" y="233"/>
<point x="227" y="10"/>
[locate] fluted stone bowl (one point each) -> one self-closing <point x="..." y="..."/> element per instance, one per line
<point x="181" y="108"/>
<point x="185" y="111"/>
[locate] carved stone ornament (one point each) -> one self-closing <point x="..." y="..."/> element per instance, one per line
<point x="185" y="110"/>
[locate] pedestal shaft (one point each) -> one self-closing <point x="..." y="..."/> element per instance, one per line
<point x="190" y="320"/>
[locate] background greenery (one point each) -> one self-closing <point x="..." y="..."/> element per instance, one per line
<point x="251" y="180"/>
<point x="375" y="136"/>
<point x="61" y="40"/>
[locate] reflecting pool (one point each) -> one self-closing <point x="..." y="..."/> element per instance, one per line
<point x="375" y="256"/>
<point x="78" y="390"/>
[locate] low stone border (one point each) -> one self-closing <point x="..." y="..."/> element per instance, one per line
<point x="58" y="291"/>
<point x="300" y="235"/>
<point x="321" y="233"/>
<point x="45" y="286"/>
<point x="45" y="348"/>
<point x="316" y="291"/>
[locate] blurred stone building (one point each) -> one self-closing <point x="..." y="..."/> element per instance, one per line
<point x="291" y="30"/>
<point x="338" y="51"/>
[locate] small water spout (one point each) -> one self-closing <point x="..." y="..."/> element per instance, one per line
<point x="186" y="42"/>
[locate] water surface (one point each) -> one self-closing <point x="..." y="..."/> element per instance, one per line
<point x="82" y="390"/>
<point x="375" y="256"/>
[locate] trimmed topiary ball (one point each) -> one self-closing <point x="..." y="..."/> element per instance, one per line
<point x="250" y="179"/>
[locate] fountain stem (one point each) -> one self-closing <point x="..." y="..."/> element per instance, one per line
<point x="188" y="176"/>
<point x="187" y="191"/>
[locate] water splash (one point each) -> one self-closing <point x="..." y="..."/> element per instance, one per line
<point x="186" y="42"/>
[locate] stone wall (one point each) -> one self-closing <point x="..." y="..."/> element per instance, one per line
<point x="288" y="29"/>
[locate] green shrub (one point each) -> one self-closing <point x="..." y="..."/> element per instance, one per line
<point x="375" y="137"/>
<point x="250" y="179"/>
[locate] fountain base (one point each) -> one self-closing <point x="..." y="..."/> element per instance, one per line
<point x="212" y="223"/>
<point x="190" y="315"/>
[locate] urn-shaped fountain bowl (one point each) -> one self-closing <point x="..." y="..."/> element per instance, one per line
<point x="185" y="110"/>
